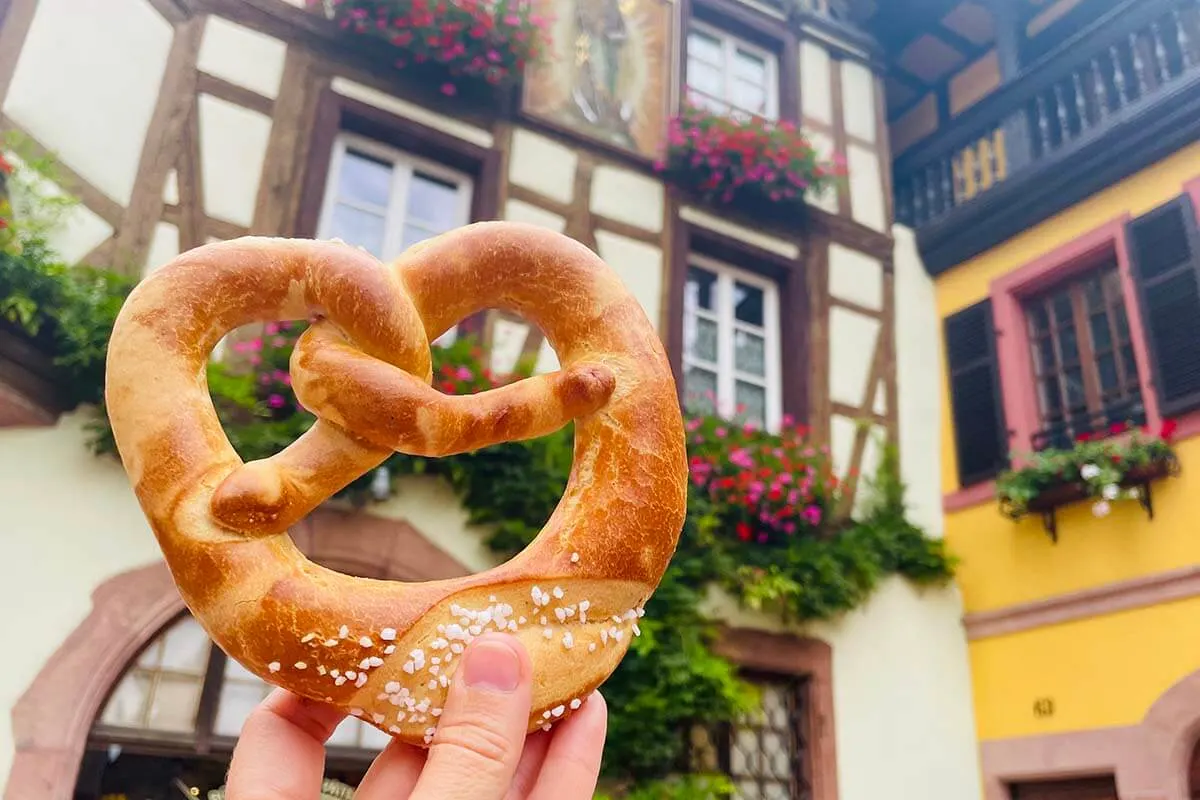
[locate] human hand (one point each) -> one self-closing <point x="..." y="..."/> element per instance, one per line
<point x="480" y="751"/>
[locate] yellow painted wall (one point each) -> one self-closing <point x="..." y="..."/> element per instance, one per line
<point x="1098" y="672"/>
<point x="1004" y="562"/>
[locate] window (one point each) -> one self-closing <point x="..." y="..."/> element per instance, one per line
<point x="729" y="75"/>
<point x="168" y="688"/>
<point x="765" y="754"/>
<point x="1082" y="355"/>
<point x="386" y="201"/>
<point x="731" y="359"/>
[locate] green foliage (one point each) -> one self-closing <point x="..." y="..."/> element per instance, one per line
<point x="66" y="311"/>
<point x="1099" y="464"/>
<point x="682" y="787"/>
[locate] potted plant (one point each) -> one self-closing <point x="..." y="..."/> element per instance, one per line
<point x="1103" y="469"/>
<point x="474" y="45"/>
<point x="762" y="168"/>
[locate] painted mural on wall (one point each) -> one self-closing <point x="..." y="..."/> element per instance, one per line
<point x="610" y="73"/>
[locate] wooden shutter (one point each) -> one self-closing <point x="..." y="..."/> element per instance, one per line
<point x="981" y="435"/>
<point x="1163" y="250"/>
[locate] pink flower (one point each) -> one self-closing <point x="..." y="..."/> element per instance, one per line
<point x="271" y="328"/>
<point x="275" y="401"/>
<point x="449" y="89"/>
<point x="720" y="433"/>
<point x="812" y="515"/>
<point x="464" y="374"/>
<point x="279" y="341"/>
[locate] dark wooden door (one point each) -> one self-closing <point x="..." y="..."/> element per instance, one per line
<point x="1101" y="788"/>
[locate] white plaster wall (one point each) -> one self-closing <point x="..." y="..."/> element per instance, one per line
<point x="855" y="277"/>
<point x="70" y="522"/>
<point x="403" y="108"/>
<point x="903" y="721"/>
<point x="918" y="382"/>
<point x="78" y="91"/>
<point x="816" y="82"/>
<point x="164" y="246"/>
<point x="543" y="165"/>
<point x="866" y="187"/>
<point x="640" y="267"/>
<point x="627" y="196"/>
<point x="233" y="148"/>
<point x="242" y="56"/>
<point x="852" y="340"/>
<point x="858" y="100"/>
<point x="520" y="211"/>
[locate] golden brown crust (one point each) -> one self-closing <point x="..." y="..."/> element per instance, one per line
<point x="388" y="651"/>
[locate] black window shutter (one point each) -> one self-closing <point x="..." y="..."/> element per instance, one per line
<point x="979" y="427"/>
<point x="1164" y="250"/>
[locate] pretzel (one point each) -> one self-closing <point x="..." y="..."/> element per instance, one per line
<point x="387" y="651"/>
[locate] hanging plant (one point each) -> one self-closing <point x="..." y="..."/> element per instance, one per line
<point x="745" y="161"/>
<point x="1104" y="469"/>
<point x="474" y="39"/>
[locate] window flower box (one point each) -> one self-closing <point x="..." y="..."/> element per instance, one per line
<point x="761" y="168"/>
<point x="471" y="47"/>
<point x="1102" y="470"/>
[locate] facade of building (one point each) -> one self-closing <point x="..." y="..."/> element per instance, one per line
<point x="1052" y="187"/>
<point x="178" y="122"/>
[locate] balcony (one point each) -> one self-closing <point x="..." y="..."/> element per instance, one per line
<point x="1112" y="99"/>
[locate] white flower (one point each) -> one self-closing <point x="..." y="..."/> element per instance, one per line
<point x="1101" y="508"/>
<point x="1111" y="492"/>
<point x="1089" y="471"/>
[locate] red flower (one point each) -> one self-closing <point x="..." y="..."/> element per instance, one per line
<point x="743" y="531"/>
<point x="1168" y="429"/>
<point x="3" y="223"/>
<point x="5" y="167"/>
<point x="1118" y="427"/>
<point x="1084" y="437"/>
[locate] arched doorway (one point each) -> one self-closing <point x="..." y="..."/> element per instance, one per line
<point x="167" y="729"/>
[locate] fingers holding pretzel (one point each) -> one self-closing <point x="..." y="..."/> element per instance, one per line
<point x="388" y="651"/>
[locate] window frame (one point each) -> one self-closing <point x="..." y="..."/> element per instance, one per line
<point x="404" y="166"/>
<point x="786" y="264"/>
<point x="727" y="327"/>
<point x="751" y="26"/>
<point x="202" y="739"/>
<point x="1095" y="408"/>
<point x="730" y="43"/>
<point x="338" y="113"/>
<point x="1017" y="375"/>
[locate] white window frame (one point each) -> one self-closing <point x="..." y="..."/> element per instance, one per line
<point x="396" y="214"/>
<point x="727" y="324"/>
<point x="730" y="45"/>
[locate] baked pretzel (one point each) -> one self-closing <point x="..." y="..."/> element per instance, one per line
<point x="387" y="651"/>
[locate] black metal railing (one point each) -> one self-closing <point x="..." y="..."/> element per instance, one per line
<point x="1133" y="56"/>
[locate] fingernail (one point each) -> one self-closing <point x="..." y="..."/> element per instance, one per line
<point x="492" y="664"/>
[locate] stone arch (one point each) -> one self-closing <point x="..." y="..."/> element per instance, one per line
<point x="1171" y="731"/>
<point x="52" y="719"/>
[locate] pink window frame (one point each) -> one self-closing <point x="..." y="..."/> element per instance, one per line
<point x="1018" y="388"/>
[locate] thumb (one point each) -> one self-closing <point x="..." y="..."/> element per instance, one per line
<point x="482" y="732"/>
